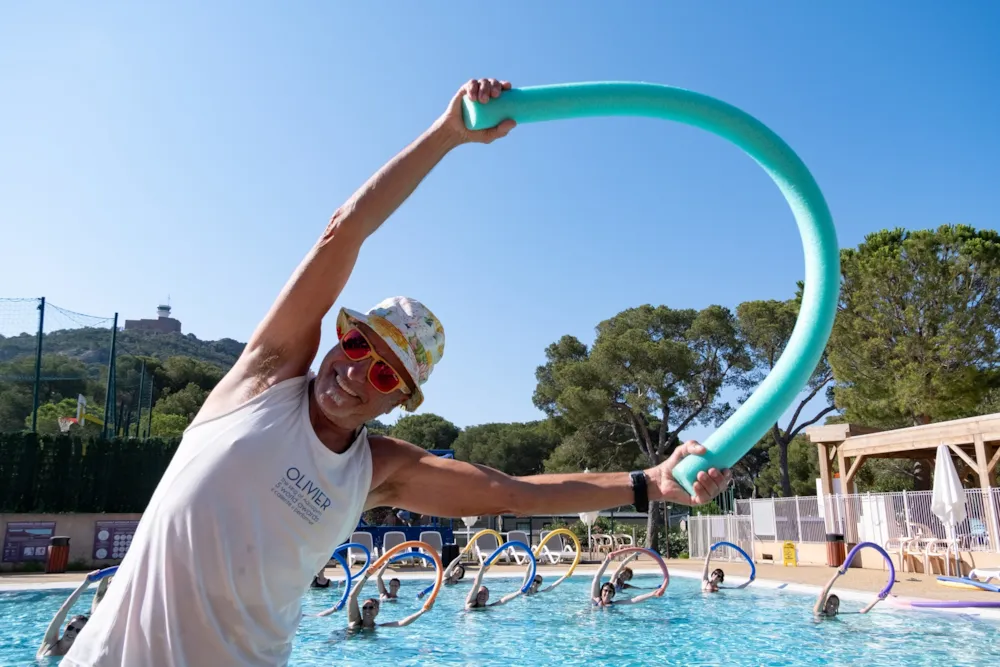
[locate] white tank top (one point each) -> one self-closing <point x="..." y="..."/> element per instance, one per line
<point x="249" y="509"/>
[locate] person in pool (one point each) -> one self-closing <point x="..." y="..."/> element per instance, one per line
<point x="52" y="644"/>
<point x="451" y="576"/>
<point x="828" y="605"/>
<point x="710" y="583"/>
<point x="623" y="575"/>
<point x="282" y="454"/>
<point x="479" y="595"/>
<point x="363" y="617"/>
<point x="603" y="595"/>
<point x="454" y="575"/>
<point x="392" y="593"/>
<point x="320" y="580"/>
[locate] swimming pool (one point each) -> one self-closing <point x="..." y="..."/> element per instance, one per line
<point x="755" y="626"/>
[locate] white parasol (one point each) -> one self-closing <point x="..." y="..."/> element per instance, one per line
<point x="948" y="499"/>
<point x="589" y="518"/>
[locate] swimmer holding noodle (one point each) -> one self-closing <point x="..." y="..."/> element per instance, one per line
<point x="479" y="595"/>
<point x="603" y="595"/>
<point x="277" y="466"/>
<point x="364" y="618"/>
<point x="54" y="645"/>
<point x="828" y="606"/>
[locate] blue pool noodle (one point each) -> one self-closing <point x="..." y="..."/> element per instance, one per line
<point x="746" y="556"/>
<point x="103" y="574"/>
<point x="349" y="581"/>
<point x="516" y="543"/>
<point x="731" y="441"/>
<point x="972" y="582"/>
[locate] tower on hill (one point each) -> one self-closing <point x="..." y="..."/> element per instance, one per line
<point x="162" y="324"/>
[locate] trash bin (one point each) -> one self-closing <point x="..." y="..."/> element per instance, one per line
<point x="835" y="553"/>
<point x="58" y="556"/>
<point x="449" y="552"/>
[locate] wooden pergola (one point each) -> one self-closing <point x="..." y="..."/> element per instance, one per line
<point x="975" y="440"/>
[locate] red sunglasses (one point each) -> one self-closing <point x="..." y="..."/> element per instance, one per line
<point x="381" y="375"/>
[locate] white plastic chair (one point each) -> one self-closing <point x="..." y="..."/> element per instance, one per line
<point x="486" y="545"/>
<point x="364" y="538"/>
<point x="518" y="554"/>
<point x="985" y="574"/>
<point x="601" y="543"/>
<point x="432" y="538"/>
<point x="622" y="540"/>
<point x="896" y="546"/>
<point x="555" y="550"/>
<point x="392" y="539"/>
<point x="925" y="545"/>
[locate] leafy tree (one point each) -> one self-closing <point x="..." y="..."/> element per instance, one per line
<point x="597" y="447"/>
<point x="425" y="430"/>
<point x="516" y="449"/>
<point x="375" y="427"/>
<point x="803" y="462"/>
<point x="747" y="471"/>
<point x="15" y="406"/>
<point x="179" y="372"/>
<point x="168" y="425"/>
<point x="185" y="403"/>
<point x="652" y="371"/>
<point x="75" y="361"/>
<point x="765" y="327"/>
<point x="888" y="475"/>
<point x="915" y="340"/>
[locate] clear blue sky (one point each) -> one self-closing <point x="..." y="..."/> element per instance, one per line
<point x="198" y="149"/>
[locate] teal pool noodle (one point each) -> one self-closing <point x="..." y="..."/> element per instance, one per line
<point x="751" y="421"/>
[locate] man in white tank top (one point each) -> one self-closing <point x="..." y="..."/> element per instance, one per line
<point x="277" y="467"/>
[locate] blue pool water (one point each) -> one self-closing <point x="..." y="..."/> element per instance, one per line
<point x="685" y="627"/>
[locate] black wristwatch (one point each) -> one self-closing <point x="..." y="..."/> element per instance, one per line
<point x="641" y="496"/>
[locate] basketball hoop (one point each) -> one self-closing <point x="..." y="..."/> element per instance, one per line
<point x="66" y="422"/>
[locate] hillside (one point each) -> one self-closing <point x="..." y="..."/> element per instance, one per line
<point x="182" y="367"/>
<point x="93" y="346"/>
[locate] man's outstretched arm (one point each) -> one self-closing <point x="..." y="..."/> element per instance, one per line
<point x="285" y="342"/>
<point x="428" y="484"/>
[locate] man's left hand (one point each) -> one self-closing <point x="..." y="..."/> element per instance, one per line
<point x="707" y="486"/>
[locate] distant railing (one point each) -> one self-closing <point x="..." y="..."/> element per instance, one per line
<point x="860" y="517"/>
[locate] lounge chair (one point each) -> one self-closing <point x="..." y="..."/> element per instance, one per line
<point x="432" y="538"/>
<point x="363" y="538"/>
<point x="555" y="550"/>
<point x="486" y="545"/>
<point x="985" y="574"/>
<point x="392" y="539"/>
<point x="513" y="552"/>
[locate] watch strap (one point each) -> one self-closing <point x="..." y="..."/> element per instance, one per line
<point x="639" y="491"/>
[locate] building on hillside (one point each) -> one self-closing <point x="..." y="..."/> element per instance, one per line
<point x="162" y="324"/>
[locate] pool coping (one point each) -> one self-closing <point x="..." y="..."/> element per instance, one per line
<point x="894" y="604"/>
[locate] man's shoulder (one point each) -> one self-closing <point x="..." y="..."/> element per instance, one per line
<point x="389" y="456"/>
<point x="389" y="447"/>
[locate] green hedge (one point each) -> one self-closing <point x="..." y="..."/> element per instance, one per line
<point x="63" y="473"/>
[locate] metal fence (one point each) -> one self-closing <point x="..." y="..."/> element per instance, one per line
<point x="704" y="531"/>
<point x="861" y="517"/>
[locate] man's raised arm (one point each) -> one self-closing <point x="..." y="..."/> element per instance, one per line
<point x="287" y="339"/>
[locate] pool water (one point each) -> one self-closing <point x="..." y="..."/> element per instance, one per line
<point x="754" y="626"/>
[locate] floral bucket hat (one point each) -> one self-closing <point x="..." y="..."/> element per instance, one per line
<point x="410" y="330"/>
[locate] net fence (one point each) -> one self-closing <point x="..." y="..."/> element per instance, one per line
<point x="50" y="357"/>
